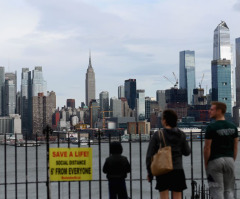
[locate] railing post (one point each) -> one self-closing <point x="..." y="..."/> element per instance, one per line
<point x="47" y="131"/>
<point x="100" y="167"/>
<point x="192" y="182"/>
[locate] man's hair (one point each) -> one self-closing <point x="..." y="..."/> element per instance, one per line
<point x="220" y="106"/>
<point x="171" y="117"/>
<point x="116" y="148"/>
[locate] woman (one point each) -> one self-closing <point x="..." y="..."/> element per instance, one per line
<point x="175" y="180"/>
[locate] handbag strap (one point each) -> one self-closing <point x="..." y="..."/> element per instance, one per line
<point x="160" y="133"/>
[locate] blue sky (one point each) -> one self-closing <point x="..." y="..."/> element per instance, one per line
<point x="128" y="39"/>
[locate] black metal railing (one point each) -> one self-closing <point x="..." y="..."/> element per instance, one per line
<point x="24" y="169"/>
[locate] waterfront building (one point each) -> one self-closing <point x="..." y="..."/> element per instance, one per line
<point x="115" y="107"/>
<point x="104" y="104"/>
<point x="2" y="85"/>
<point x="121" y="92"/>
<point x="130" y="92"/>
<point x="38" y="83"/>
<point x="187" y="73"/>
<point x="71" y="103"/>
<point x="11" y="124"/>
<point x="43" y="108"/>
<point x="140" y="104"/>
<point x="90" y="83"/>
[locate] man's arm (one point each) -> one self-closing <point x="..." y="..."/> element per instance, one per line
<point x="207" y="151"/>
<point x="235" y="148"/>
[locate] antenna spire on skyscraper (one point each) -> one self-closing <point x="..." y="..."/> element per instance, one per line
<point x="90" y="63"/>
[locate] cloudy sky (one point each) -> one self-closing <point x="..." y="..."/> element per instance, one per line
<point x="128" y="39"/>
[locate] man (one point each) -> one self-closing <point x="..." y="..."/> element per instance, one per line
<point x="220" y="152"/>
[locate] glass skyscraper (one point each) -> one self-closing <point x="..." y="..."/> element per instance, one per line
<point x="237" y="44"/>
<point x="222" y="88"/>
<point x="130" y="92"/>
<point x="38" y="83"/>
<point x="2" y="82"/>
<point x="221" y="43"/>
<point x="187" y="73"/>
<point x="104" y="103"/>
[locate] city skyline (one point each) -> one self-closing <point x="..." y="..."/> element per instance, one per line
<point x="139" y="40"/>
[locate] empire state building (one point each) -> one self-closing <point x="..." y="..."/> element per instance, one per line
<point x="90" y="83"/>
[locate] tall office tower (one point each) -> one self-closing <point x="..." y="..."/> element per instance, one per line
<point x="161" y="99"/>
<point x="104" y="104"/>
<point x="71" y="103"/>
<point x="38" y="83"/>
<point x="115" y="107"/>
<point x="221" y="67"/>
<point x="94" y="109"/>
<point x="43" y="108"/>
<point x="90" y="83"/>
<point x="140" y="104"/>
<point x="9" y="97"/>
<point x="130" y="92"/>
<point x="187" y="72"/>
<point x="236" y="109"/>
<point x="26" y="99"/>
<point x="221" y="82"/>
<point x="121" y="92"/>
<point x="221" y="43"/>
<point x="2" y="85"/>
<point x="237" y="42"/>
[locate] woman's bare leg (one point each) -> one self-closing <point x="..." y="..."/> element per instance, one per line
<point x="164" y="194"/>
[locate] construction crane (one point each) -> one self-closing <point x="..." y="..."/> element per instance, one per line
<point x="174" y="84"/>
<point x="200" y="83"/>
<point x="176" y="79"/>
<point x="103" y="112"/>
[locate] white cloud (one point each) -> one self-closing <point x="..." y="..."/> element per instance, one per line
<point x="128" y="39"/>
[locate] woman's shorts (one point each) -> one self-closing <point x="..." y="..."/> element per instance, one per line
<point x="173" y="181"/>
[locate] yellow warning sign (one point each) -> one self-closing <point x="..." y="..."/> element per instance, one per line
<point x="70" y="164"/>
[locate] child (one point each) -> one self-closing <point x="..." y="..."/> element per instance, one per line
<point x="116" y="167"/>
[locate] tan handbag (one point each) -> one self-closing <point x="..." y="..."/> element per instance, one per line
<point x="162" y="160"/>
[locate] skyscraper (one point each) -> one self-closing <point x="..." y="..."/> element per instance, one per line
<point x="221" y="67"/>
<point x="130" y="92"/>
<point x="115" y="107"/>
<point x="104" y="103"/>
<point x="236" y="109"/>
<point x="221" y="43"/>
<point x="10" y="98"/>
<point x="26" y="99"/>
<point x="2" y="82"/>
<point x="121" y="92"/>
<point x="237" y="42"/>
<point x="161" y="99"/>
<point x="90" y="83"/>
<point x="38" y="83"/>
<point x="140" y="104"/>
<point x="187" y="72"/>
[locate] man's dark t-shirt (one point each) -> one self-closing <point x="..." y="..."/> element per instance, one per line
<point x="222" y="134"/>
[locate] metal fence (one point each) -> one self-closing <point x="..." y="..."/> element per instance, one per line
<point x="24" y="171"/>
